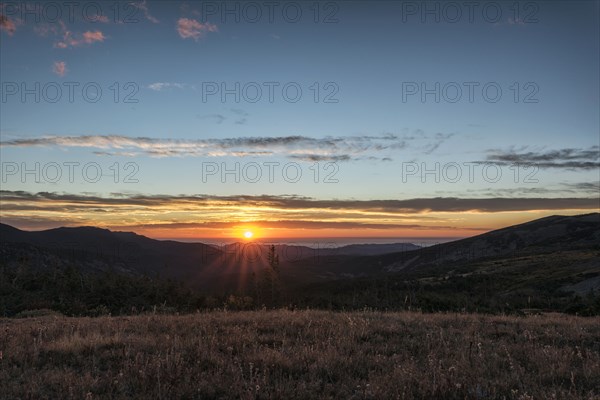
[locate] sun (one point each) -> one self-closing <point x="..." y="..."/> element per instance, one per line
<point x="248" y="234"/>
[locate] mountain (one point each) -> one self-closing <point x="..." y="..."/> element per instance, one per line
<point x="544" y="235"/>
<point x="293" y="253"/>
<point x="373" y="249"/>
<point x="100" y="249"/>
<point x="551" y="263"/>
<point x="199" y="265"/>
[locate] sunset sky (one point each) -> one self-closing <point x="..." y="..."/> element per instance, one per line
<point x="195" y="120"/>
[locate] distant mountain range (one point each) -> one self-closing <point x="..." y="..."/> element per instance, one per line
<point x="201" y="265"/>
<point x="564" y="251"/>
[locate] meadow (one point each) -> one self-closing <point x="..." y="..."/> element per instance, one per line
<point x="301" y="354"/>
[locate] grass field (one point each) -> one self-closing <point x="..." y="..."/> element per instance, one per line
<point x="301" y="355"/>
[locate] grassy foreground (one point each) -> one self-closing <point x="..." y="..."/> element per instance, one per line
<point x="301" y="355"/>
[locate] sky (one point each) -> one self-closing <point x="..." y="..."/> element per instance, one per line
<point x="209" y="119"/>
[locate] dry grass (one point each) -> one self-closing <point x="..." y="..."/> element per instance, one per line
<point x="301" y="355"/>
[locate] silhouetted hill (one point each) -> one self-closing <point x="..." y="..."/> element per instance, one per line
<point x="209" y="267"/>
<point x="545" y="235"/>
<point x="101" y="249"/>
<point x="552" y="263"/>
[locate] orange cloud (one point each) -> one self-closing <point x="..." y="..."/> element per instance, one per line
<point x="7" y="25"/>
<point x="74" y="40"/>
<point x="167" y="216"/>
<point x="190" y="28"/>
<point x="91" y="37"/>
<point x="60" y="68"/>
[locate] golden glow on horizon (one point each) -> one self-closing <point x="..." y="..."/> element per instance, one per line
<point x="196" y="219"/>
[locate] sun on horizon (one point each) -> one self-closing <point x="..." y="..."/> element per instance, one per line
<point x="248" y="234"/>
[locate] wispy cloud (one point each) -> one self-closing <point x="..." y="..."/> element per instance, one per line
<point x="239" y="116"/>
<point x="64" y="37"/>
<point x="73" y="39"/>
<point x="438" y="140"/>
<point x="569" y="158"/>
<point x="158" y="86"/>
<point x="318" y="158"/>
<point x="295" y="147"/>
<point x="192" y="29"/>
<point x="587" y="187"/>
<point x="242" y="116"/>
<point x="288" y="224"/>
<point x="306" y="204"/>
<point x="441" y="215"/>
<point x="59" y="68"/>
<point x="142" y="6"/>
<point x="554" y="191"/>
<point x="218" y="118"/>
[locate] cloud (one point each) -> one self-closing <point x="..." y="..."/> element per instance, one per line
<point x="190" y="28"/>
<point x="158" y="86"/>
<point x="44" y="30"/>
<point x="569" y="158"/>
<point x="91" y="37"/>
<point x="438" y="140"/>
<point x="59" y="68"/>
<point x="562" y="189"/>
<point x="241" y="120"/>
<point x="344" y="148"/>
<point x="144" y="8"/>
<point x="295" y="147"/>
<point x="305" y="204"/>
<point x="285" y="224"/>
<point x="7" y="25"/>
<point x="317" y="158"/>
<point x="67" y="38"/>
<point x="70" y="39"/>
<point x="116" y="153"/>
<point x="443" y="215"/>
<point x="40" y="223"/>
<point x="239" y="115"/>
<point x="425" y="143"/>
<point x="587" y="187"/>
<point x="218" y="118"/>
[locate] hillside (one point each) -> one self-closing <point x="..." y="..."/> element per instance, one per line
<point x="203" y="266"/>
<point x="547" y="264"/>
<point x="545" y="235"/>
<point x="101" y="249"/>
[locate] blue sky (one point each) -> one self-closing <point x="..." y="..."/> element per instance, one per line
<point x="365" y="56"/>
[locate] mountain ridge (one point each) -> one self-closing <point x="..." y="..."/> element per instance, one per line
<point x="551" y="263"/>
<point x="231" y="266"/>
